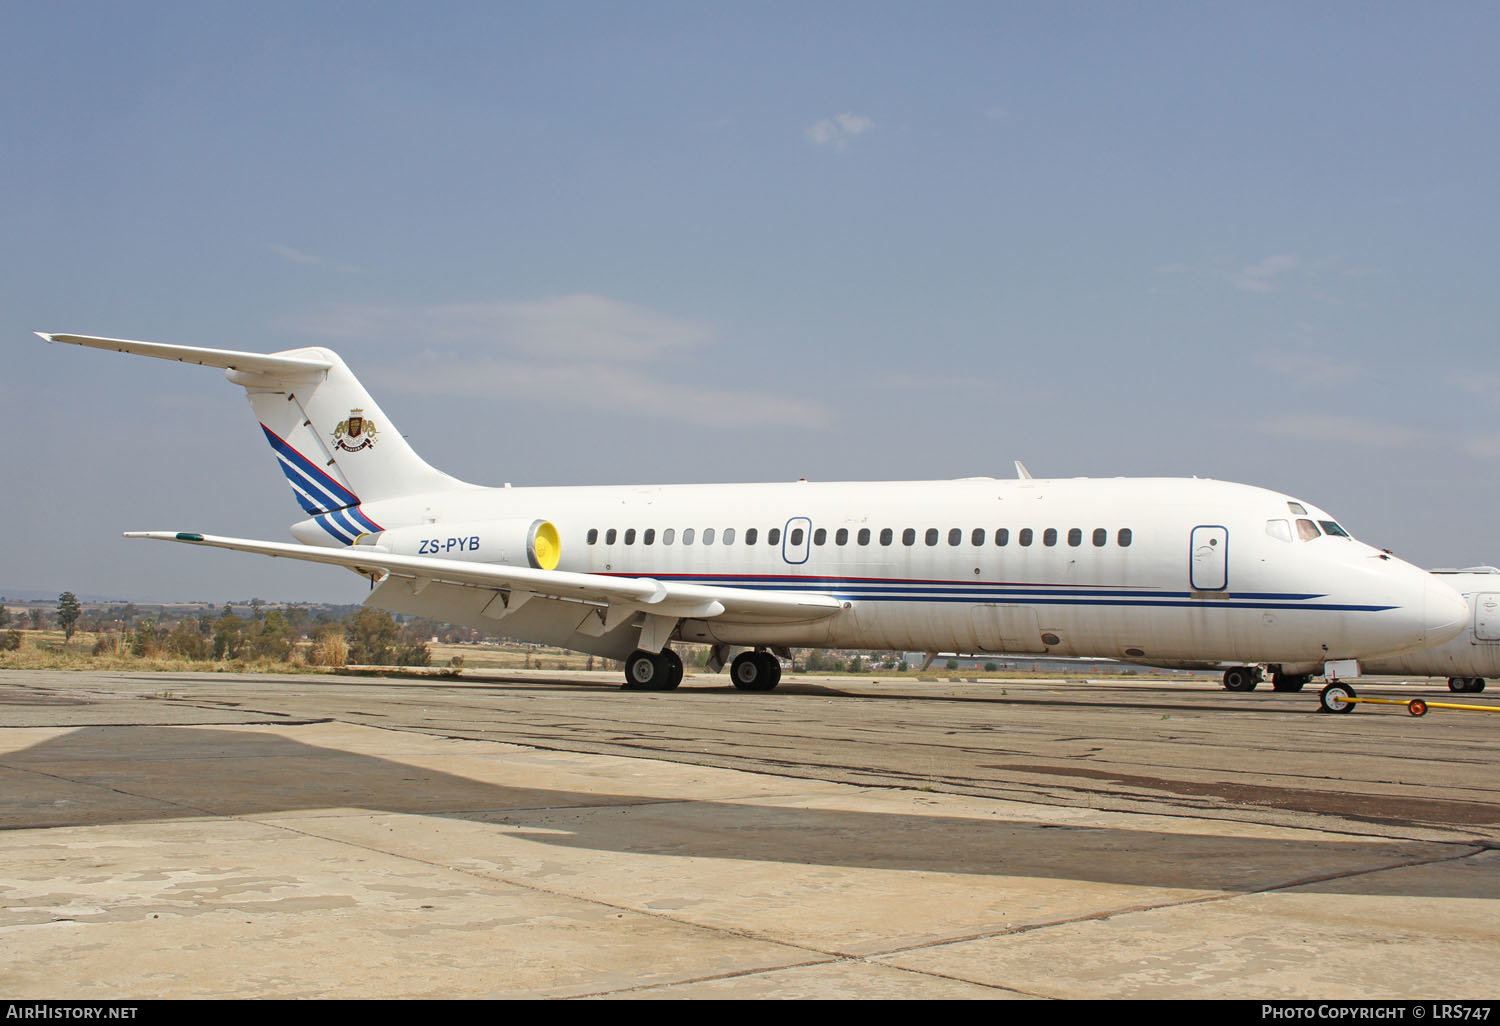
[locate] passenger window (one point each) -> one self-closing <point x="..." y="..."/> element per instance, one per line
<point x="630" y="536"/>
<point x="1075" y="536"/>
<point x="687" y="536"/>
<point x="887" y="536"/>
<point x="609" y="536"/>
<point x="1025" y="536"/>
<point x="931" y="536"/>
<point x="1049" y="536"/>
<point x="1307" y="530"/>
<point x="864" y="536"/>
<point x="668" y="535"/>
<point x="842" y="537"/>
<point x="909" y="536"/>
<point x="1125" y="537"/>
<point x="728" y="536"/>
<point x="955" y="536"/>
<point x="708" y="536"/>
<point x="1002" y="536"/>
<point x="1279" y="529"/>
<point x="649" y="537"/>
<point x="1333" y="530"/>
<point x="773" y="536"/>
<point x="795" y="538"/>
<point x="750" y="534"/>
<point x="820" y="536"/>
<point x="1101" y="537"/>
<point x="976" y="538"/>
<point x="593" y="535"/>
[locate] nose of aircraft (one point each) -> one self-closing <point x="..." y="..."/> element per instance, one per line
<point x="1445" y="612"/>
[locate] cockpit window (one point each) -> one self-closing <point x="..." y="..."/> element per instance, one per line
<point x="1279" y="529"/>
<point x="1297" y="507"/>
<point x="1333" y="530"/>
<point x="1307" y="530"/>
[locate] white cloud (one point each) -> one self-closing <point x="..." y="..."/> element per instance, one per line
<point x="1486" y="386"/>
<point x="574" y="326"/>
<point x="1321" y="428"/>
<point x="569" y="352"/>
<point x="1484" y="446"/>
<point x="838" y="130"/>
<point x="1310" y="369"/>
<point x="610" y="388"/>
<point x="297" y="256"/>
<point x="1263" y="276"/>
<point x="914" y="382"/>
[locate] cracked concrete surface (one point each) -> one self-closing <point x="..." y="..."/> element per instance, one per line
<point x="551" y="836"/>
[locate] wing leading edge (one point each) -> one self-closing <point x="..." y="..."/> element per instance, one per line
<point x="623" y="595"/>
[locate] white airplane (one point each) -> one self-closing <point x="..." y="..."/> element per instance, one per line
<point x="1472" y="656"/>
<point x="1147" y="570"/>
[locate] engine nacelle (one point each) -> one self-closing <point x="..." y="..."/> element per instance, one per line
<point x="515" y="541"/>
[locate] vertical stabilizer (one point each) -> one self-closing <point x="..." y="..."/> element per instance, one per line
<point x="333" y="442"/>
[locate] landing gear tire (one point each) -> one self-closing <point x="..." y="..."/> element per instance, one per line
<point x="1335" y="699"/>
<point x="1241" y="678"/>
<point x="1466" y="685"/>
<point x="755" y="671"/>
<point x="674" y="669"/>
<point x="1289" y="682"/>
<point x="653" y="671"/>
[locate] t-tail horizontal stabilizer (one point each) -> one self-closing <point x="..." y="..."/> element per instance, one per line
<point x="228" y="359"/>
<point x="332" y="441"/>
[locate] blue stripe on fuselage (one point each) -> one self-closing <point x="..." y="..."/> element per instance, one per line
<point x="864" y="589"/>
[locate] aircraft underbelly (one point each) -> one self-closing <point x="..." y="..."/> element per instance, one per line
<point x="542" y="620"/>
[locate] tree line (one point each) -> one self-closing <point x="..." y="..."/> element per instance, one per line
<point x="327" y="636"/>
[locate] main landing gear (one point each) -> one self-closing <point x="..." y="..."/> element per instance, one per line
<point x="1290" y="681"/>
<point x="1472" y="685"/>
<point x="662" y="671"/>
<point x="1245" y="678"/>
<point x="653" y="671"/>
<point x="1241" y="678"/>
<point x="755" y="671"/>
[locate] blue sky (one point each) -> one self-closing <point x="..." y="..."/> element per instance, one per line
<point x="658" y="242"/>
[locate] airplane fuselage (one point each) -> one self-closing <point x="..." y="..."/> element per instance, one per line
<point x="1139" y="569"/>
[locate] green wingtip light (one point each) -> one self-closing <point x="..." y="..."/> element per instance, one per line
<point x="188" y="536"/>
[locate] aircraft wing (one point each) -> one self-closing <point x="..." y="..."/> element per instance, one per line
<point x="629" y="594"/>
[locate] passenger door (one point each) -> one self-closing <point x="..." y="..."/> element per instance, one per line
<point x="1208" y="569"/>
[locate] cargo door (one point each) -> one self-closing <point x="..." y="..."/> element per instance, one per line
<point x="1010" y="630"/>
<point x="1487" y="616"/>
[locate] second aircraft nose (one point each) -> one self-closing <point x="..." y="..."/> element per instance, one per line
<point x="1445" y="612"/>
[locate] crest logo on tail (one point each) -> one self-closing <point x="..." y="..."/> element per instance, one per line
<point x="354" y="434"/>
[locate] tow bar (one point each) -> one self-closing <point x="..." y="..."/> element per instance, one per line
<point x="1340" y="698"/>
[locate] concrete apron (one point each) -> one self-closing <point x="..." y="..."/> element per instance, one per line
<point x="338" y="861"/>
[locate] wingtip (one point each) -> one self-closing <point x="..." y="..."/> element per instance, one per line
<point x="45" y="336"/>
